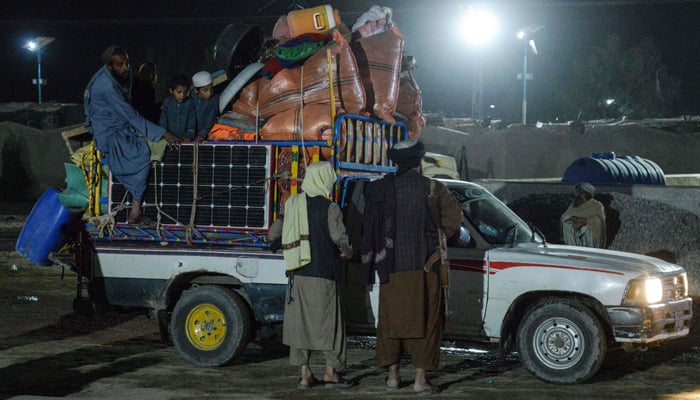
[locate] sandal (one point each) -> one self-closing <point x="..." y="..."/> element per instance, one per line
<point x="390" y="387"/>
<point x="428" y="392"/>
<point x="341" y="384"/>
<point x="311" y="384"/>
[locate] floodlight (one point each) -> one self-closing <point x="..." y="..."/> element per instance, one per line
<point x="524" y="35"/>
<point x="479" y="26"/>
<point x="36" y="45"/>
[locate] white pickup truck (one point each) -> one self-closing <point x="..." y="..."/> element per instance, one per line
<point x="563" y="309"/>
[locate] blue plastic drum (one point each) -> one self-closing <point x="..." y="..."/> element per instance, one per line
<point x="43" y="232"/>
<point x="609" y="169"/>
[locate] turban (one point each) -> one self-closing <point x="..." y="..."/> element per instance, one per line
<point x="407" y="154"/>
<point x="585" y="187"/>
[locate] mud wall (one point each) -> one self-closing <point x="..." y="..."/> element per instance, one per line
<point x="531" y="152"/>
<point x="31" y="161"/>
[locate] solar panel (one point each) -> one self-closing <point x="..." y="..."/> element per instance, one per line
<point x="231" y="188"/>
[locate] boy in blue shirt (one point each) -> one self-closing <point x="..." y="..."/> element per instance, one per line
<point x="204" y="103"/>
<point x="177" y="114"/>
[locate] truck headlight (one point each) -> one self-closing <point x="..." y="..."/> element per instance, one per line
<point x="645" y="291"/>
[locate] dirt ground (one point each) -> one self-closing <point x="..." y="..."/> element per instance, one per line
<point x="46" y="351"/>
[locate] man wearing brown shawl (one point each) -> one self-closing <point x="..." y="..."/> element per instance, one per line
<point x="398" y="238"/>
<point x="583" y="223"/>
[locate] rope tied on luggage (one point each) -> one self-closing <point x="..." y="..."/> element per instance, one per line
<point x="195" y="193"/>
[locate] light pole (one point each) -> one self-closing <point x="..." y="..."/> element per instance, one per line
<point x="37" y="45"/>
<point x="478" y="29"/>
<point x="524" y="36"/>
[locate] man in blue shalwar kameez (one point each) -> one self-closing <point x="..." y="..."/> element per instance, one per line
<point x="120" y="132"/>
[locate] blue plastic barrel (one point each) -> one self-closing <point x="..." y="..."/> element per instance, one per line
<point x="44" y="230"/>
<point x="610" y="169"/>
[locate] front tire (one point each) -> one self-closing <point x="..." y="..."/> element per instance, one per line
<point x="561" y="341"/>
<point x="210" y="325"/>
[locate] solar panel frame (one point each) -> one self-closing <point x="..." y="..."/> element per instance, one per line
<point x="232" y="187"/>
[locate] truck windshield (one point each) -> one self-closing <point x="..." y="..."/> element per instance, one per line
<point x="497" y="223"/>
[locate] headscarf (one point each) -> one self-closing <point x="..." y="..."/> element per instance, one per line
<point x="407" y="154"/>
<point x="318" y="181"/>
<point x="585" y="187"/>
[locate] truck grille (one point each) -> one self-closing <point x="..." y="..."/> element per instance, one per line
<point x="674" y="287"/>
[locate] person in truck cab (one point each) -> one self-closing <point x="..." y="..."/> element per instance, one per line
<point x="583" y="223"/>
<point x="120" y="132"/>
<point x="396" y="243"/>
<point x="313" y="240"/>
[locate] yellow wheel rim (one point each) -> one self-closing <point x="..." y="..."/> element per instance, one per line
<point x="206" y="327"/>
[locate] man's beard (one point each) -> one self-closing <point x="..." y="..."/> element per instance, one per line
<point x="122" y="79"/>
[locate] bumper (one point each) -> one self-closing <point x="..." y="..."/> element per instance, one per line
<point x="650" y="324"/>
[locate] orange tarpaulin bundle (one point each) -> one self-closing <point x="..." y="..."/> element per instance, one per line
<point x="247" y="100"/>
<point x="283" y="91"/>
<point x="226" y="132"/>
<point x="288" y="125"/>
<point x="379" y="59"/>
<point x="409" y="107"/>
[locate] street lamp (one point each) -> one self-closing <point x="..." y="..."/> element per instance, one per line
<point x="479" y="27"/>
<point x="524" y="36"/>
<point x="37" y="45"/>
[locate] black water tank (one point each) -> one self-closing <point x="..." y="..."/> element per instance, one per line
<point x="609" y="169"/>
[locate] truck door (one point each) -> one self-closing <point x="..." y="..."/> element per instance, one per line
<point x="468" y="282"/>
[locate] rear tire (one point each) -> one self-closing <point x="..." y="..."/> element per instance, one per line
<point x="210" y="325"/>
<point x="561" y="341"/>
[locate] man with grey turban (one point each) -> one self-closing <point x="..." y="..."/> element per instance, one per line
<point x="583" y="223"/>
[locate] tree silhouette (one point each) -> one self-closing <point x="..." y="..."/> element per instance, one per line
<point x="634" y="77"/>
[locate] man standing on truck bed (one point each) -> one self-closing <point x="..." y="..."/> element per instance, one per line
<point x="120" y="132"/>
<point x="313" y="238"/>
<point x="399" y="236"/>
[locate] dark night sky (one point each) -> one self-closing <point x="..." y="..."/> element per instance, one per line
<point x="445" y="64"/>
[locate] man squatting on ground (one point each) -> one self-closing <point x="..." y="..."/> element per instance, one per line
<point x="583" y="223"/>
<point x="120" y="132"/>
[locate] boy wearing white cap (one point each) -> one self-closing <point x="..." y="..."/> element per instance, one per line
<point x="205" y="104"/>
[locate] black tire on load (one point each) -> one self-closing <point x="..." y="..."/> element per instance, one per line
<point x="210" y="325"/>
<point x="561" y="341"/>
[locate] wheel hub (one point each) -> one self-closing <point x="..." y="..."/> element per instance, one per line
<point x="206" y="327"/>
<point x="558" y="343"/>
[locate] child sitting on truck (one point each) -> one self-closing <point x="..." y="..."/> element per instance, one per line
<point x="177" y="114"/>
<point x="205" y="104"/>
